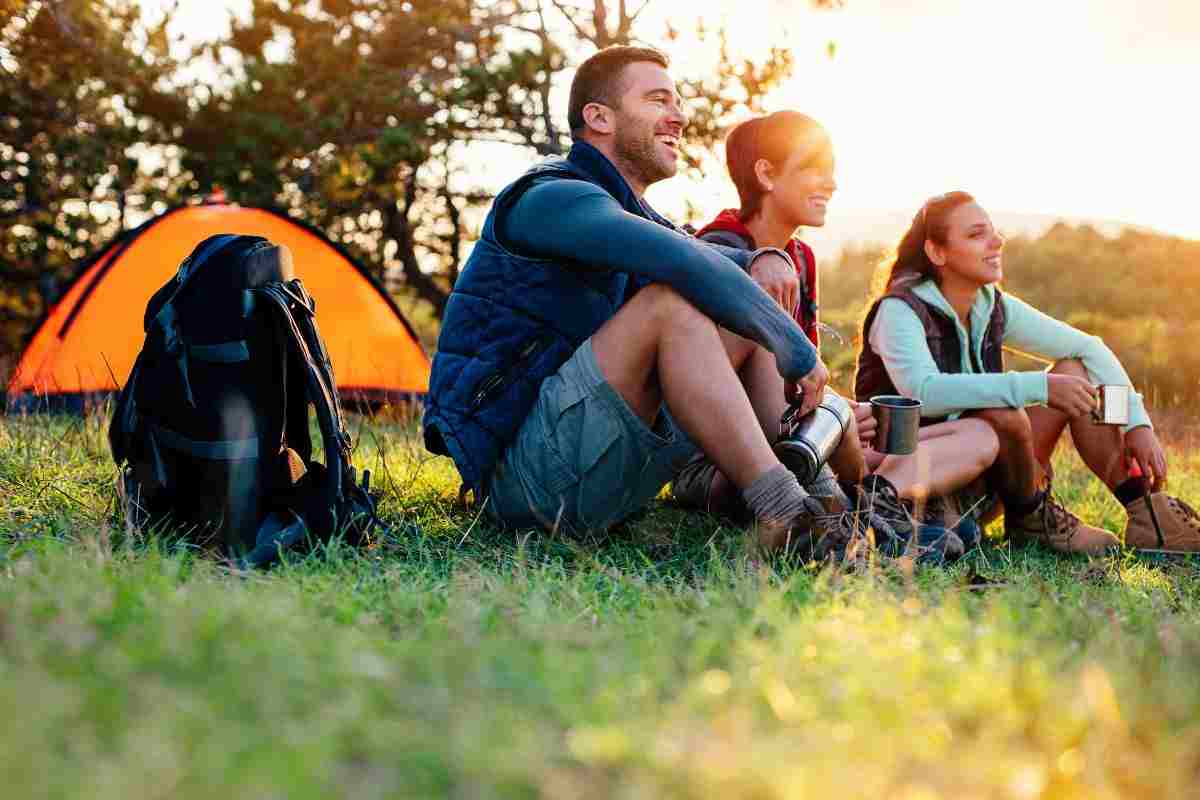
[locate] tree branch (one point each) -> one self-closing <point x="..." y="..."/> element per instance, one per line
<point x="633" y="17"/>
<point x="570" y="17"/>
<point x="399" y="228"/>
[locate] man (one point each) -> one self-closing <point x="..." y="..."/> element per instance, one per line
<point x="589" y="347"/>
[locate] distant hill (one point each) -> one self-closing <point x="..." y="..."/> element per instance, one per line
<point x="886" y="227"/>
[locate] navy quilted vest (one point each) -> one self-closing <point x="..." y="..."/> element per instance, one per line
<point x="511" y="321"/>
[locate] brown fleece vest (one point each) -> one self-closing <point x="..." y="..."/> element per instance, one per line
<point x="871" y="377"/>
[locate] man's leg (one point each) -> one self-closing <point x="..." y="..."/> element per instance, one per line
<point x="659" y="348"/>
<point x="709" y="488"/>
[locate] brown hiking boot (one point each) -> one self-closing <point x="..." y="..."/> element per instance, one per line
<point x="1178" y="521"/>
<point x="1053" y="526"/>
<point x="812" y="534"/>
<point x="691" y="488"/>
<point x="699" y="485"/>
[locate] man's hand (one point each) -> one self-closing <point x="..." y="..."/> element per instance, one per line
<point x="777" y="277"/>
<point x="1074" y="396"/>
<point x="1143" y="448"/>
<point x="811" y="388"/>
<point x="865" y="422"/>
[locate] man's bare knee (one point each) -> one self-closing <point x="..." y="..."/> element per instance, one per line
<point x="671" y="310"/>
<point x="1009" y="424"/>
<point x="739" y="349"/>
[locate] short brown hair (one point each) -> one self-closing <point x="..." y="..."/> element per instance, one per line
<point x="773" y="137"/>
<point x="598" y="79"/>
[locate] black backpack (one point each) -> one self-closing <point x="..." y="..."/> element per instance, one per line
<point x="212" y="428"/>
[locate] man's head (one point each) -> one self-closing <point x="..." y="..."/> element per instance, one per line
<point x="624" y="103"/>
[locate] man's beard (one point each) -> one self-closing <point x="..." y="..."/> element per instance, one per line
<point x="640" y="155"/>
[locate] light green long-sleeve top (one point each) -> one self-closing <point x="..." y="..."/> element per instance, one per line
<point x="898" y="336"/>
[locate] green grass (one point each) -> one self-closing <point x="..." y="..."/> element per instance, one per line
<point x="456" y="660"/>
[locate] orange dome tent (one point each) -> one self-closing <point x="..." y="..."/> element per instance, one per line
<point x="88" y="342"/>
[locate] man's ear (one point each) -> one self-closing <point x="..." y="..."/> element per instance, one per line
<point x="763" y="172"/>
<point x="935" y="252"/>
<point x="598" y="117"/>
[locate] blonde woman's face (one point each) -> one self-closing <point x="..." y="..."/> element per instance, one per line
<point x="972" y="250"/>
<point x="802" y="188"/>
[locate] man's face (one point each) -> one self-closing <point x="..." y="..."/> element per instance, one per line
<point x="649" y="122"/>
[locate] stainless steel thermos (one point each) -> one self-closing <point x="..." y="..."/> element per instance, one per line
<point x="804" y="445"/>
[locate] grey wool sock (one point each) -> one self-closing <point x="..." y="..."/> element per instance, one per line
<point x="826" y="488"/>
<point x="775" y="496"/>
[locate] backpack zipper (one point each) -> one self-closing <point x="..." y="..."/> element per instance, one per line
<point x="496" y="380"/>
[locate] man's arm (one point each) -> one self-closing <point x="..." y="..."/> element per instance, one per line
<point x="584" y="226"/>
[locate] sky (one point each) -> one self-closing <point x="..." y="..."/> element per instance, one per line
<point x="1078" y="108"/>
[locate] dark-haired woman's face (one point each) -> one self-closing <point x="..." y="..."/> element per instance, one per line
<point x="972" y="248"/>
<point x="802" y="187"/>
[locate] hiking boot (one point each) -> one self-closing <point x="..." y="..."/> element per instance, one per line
<point x="946" y="512"/>
<point x="700" y="486"/>
<point x="1178" y="521"/>
<point x="813" y="534"/>
<point x="1053" y="526"/>
<point x="890" y="518"/>
<point x="895" y="526"/>
<point x="692" y="487"/>
<point x="936" y="545"/>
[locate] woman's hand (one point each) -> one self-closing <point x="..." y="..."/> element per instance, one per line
<point x="1072" y="395"/>
<point x="866" y="423"/>
<point x="1143" y="448"/>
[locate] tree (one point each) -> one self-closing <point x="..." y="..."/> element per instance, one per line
<point x="79" y="87"/>
<point x="366" y="117"/>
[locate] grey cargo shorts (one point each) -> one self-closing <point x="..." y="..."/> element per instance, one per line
<point x="582" y="460"/>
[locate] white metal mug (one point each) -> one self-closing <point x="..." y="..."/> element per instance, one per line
<point x="1112" y="404"/>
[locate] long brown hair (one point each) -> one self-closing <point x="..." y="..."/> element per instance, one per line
<point x="909" y="264"/>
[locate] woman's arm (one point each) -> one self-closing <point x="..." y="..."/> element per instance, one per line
<point x="1032" y="331"/>
<point x="898" y="336"/>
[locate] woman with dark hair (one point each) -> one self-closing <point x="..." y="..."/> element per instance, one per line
<point x="782" y="165"/>
<point x="935" y="332"/>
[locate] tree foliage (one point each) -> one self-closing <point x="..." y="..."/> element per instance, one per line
<point x="79" y="93"/>
<point x="374" y="119"/>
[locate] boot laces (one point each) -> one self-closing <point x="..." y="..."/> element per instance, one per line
<point x="1184" y="510"/>
<point x="1057" y="521"/>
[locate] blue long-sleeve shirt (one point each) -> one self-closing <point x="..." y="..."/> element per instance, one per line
<point x="582" y="225"/>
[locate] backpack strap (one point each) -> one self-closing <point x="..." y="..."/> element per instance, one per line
<point x="292" y="310"/>
<point x="214" y="450"/>
<point x="728" y="239"/>
<point x="224" y="353"/>
<point x="350" y="506"/>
